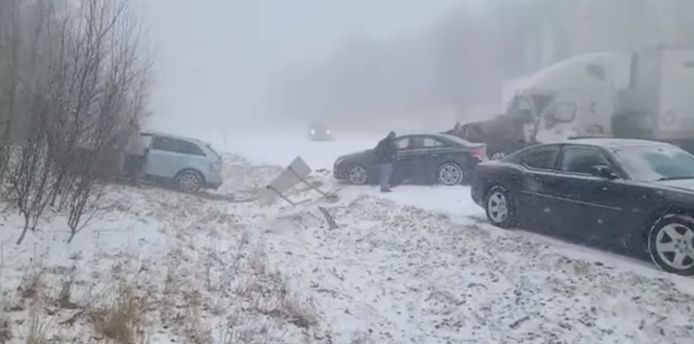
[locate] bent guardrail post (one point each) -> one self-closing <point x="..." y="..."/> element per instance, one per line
<point x="329" y="218"/>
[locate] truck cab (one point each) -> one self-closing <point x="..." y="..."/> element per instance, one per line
<point x="575" y="97"/>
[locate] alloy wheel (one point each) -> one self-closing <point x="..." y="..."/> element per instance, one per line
<point x="189" y="183"/>
<point x="497" y="207"/>
<point x="450" y="174"/>
<point x="674" y="245"/>
<point x="358" y="175"/>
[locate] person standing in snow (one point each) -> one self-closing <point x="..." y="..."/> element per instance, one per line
<point x="136" y="153"/>
<point x="385" y="153"/>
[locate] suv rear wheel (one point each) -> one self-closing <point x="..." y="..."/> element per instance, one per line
<point x="189" y="182"/>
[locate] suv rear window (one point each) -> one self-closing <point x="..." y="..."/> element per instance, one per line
<point x="543" y="158"/>
<point x="168" y="144"/>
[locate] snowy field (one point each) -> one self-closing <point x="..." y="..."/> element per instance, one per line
<point x="420" y="265"/>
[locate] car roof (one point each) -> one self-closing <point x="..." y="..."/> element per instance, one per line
<point x="444" y="137"/>
<point x="171" y="136"/>
<point x="614" y="143"/>
<point x="436" y="135"/>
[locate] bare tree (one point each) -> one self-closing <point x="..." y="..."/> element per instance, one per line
<point x="83" y="76"/>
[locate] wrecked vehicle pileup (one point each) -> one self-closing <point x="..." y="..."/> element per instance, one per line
<point x="641" y="95"/>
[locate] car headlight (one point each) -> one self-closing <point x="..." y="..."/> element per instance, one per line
<point x="313" y="132"/>
<point x="217" y="165"/>
<point x="339" y="161"/>
<point x="327" y="131"/>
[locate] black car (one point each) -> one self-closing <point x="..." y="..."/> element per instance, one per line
<point x="421" y="159"/>
<point x="629" y="196"/>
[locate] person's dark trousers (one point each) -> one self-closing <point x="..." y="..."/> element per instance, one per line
<point x="386" y="170"/>
<point x="134" y="166"/>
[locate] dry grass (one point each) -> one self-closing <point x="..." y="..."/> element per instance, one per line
<point x="272" y="297"/>
<point x="37" y="333"/>
<point x="119" y="318"/>
<point x="5" y="329"/>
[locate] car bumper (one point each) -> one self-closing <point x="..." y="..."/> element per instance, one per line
<point x="321" y="137"/>
<point x="214" y="181"/>
<point x="340" y="172"/>
<point x="476" y="189"/>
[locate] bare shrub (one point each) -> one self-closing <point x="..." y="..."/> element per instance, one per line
<point x="31" y="283"/>
<point x="118" y="317"/>
<point x="65" y="296"/>
<point x="75" y="76"/>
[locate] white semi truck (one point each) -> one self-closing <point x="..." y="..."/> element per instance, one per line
<point x="647" y="95"/>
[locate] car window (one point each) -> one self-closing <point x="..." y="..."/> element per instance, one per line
<point x="543" y="158"/>
<point x="168" y="144"/>
<point x="425" y="142"/>
<point x="402" y="143"/>
<point x="582" y="159"/>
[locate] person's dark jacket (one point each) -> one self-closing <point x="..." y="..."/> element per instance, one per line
<point x="385" y="150"/>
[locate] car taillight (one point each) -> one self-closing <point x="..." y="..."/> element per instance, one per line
<point x="479" y="153"/>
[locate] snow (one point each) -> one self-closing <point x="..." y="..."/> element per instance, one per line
<point x="281" y="147"/>
<point x="419" y="265"/>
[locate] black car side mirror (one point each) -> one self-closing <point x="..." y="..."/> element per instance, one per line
<point x="604" y="171"/>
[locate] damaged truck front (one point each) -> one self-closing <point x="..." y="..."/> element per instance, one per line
<point x="642" y="95"/>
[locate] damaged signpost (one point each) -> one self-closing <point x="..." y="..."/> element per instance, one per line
<point x="295" y="174"/>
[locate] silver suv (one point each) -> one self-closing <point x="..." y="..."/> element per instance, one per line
<point x="189" y="163"/>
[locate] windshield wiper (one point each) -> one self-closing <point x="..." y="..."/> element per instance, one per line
<point x="675" y="178"/>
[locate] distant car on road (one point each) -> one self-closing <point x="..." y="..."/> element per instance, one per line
<point x="629" y="196"/>
<point x="320" y="132"/>
<point x="188" y="163"/>
<point x="420" y="159"/>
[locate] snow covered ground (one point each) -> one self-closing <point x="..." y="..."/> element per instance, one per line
<point x="419" y="265"/>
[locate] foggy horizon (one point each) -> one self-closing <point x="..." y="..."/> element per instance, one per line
<point x="217" y="61"/>
<point x="261" y="64"/>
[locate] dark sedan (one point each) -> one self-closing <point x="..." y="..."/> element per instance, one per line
<point x="421" y="159"/>
<point x="629" y="196"/>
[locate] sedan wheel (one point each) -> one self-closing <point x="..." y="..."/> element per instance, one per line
<point x="671" y="244"/>
<point x="358" y="175"/>
<point x="450" y="174"/>
<point x="499" y="208"/>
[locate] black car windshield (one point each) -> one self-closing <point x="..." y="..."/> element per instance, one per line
<point x="658" y="162"/>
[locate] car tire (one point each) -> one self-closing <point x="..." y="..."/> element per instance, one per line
<point x="498" y="206"/>
<point x="450" y="174"/>
<point x="358" y="175"/>
<point x="671" y="244"/>
<point x="189" y="182"/>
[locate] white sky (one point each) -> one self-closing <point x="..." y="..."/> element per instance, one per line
<point x="213" y="58"/>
